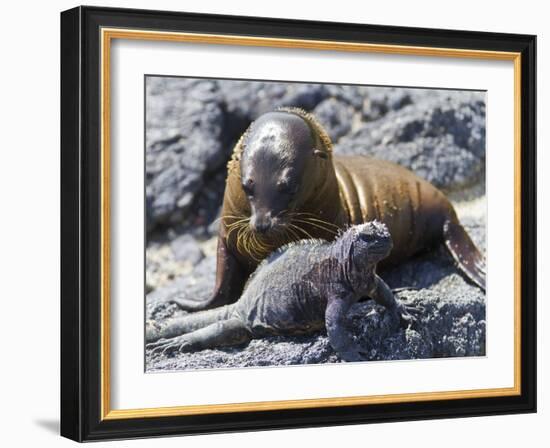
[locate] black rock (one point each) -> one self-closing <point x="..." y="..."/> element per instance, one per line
<point x="441" y="137"/>
<point x="381" y="100"/>
<point x="249" y="100"/>
<point x="197" y="285"/>
<point x="185" y="141"/>
<point x="335" y="116"/>
<point x="351" y="95"/>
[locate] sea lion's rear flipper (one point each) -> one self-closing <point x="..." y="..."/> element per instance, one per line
<point x="468" y="257"/>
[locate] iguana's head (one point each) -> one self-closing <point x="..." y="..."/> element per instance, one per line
<point x="362" y="246"/>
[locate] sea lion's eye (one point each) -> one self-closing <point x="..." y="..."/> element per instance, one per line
<point x="282" y="186"/>
<point x="319" y="153"/>
<point x="286" y="188"/>
<point x="248" y="187"/>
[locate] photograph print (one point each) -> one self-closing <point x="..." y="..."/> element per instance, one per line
<point x="292" y="224"/>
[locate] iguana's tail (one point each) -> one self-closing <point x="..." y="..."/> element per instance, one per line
<point x="468" y="257"/>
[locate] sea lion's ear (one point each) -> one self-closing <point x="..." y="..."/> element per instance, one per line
<point x="320" y="153"/>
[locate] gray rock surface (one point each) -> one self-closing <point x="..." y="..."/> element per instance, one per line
<point x="440" y="137"/>
<point x="184" y="144"/>
<point x="447" y="328"/>
<point x="192" y="126"/>
<point x="185" y="247"/>
<point x="335" y="116"/>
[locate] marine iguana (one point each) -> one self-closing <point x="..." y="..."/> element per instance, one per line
<point x="301" y="288"/>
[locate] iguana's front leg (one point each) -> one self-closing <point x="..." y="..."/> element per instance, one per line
<point x="336" y="319"/>
<point x="383" y="295"/>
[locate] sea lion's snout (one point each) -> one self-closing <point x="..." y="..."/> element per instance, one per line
<point x="265" y="222"/>
<point x="261" y="222"/>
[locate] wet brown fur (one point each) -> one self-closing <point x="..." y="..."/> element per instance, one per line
<point x="346" y="190"/>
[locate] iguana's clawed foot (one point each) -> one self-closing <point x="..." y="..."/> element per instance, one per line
<point x="171" y="346"/>
<point x="152" y="331"/>
<point x="407" y="315"/>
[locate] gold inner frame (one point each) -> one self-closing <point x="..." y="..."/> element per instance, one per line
<point x="107" y="35"/>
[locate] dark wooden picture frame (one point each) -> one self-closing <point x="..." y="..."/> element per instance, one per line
<point x="85" y="412"/>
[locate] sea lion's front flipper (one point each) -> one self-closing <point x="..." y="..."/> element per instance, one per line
<point x="468" y="257"/>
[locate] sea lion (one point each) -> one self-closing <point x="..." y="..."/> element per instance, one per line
<point x="299" y="289"/>
<point x="285" y="184"/>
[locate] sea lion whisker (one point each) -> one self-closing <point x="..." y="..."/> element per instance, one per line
<point x="238" y="221"/>
<point x="250" y="245"/>
<point x="302" y="230"/>
<point x="233" y="217"/>
<point x="295" y="236"/>
<point x="228" y="234"/>
<point x="255" y="243"/>
<point x="243" y="222"/>
<point x="248" y="241"/>
<point x="233" y="228"/>
<point x="237" y="225"/>
<point x="313" y="220"/>
<point x="313" y="217"/>
<point x="256" y="246"/>
<point x="241" y="241"/>
<point x="238" y="241"/>
<point x="321" y="221"/>
<point x="267" y="247"/>
<point x="313" y="224"/>
<point x="284" y="212"/>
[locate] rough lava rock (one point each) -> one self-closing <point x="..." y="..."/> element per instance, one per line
<point x="335" y="116"/>
<point x="440" y="137"/>
<point x="184" y="142"/>
<point x="380" y="101"/>
<point x="185" y="247"/>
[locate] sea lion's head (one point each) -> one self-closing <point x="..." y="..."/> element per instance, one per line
<point x="278" y="174"/>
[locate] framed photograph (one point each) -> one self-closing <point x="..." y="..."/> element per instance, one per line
<point x="275" y="224"/>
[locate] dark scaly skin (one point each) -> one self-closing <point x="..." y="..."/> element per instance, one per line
<point x="289" y="146"/>
<point x="301" y="289"/>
